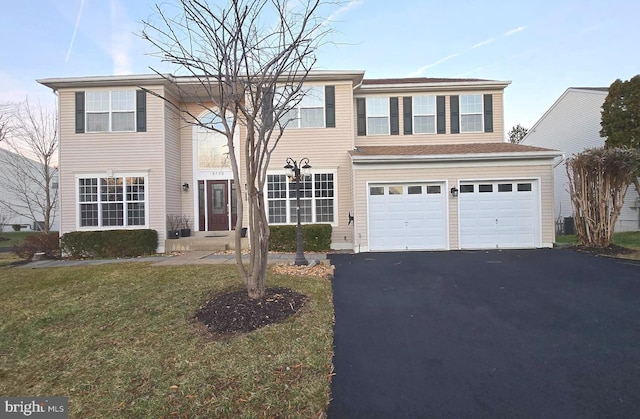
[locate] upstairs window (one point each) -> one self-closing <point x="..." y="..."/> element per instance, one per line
<point x="471" y="114"/>
<point x="309" y="112"/>
<point x="377" y="116"/>
<point x="424" y="114"/>
<point x="111" y="111"/>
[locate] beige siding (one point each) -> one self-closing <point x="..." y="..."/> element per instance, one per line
<point x="327" y="149"/>
<point x="97" y="153"/>
<point x="484" y="137"/>
<point x="173" y="159"/>
<point x="452" y="174"/>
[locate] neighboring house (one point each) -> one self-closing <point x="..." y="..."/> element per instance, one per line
<point x="14" y="210"/>
<point x="419" y="163"/>
<point x="571" y="125"/>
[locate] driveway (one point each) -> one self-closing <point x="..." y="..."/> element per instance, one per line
<point x="487" y="334"/>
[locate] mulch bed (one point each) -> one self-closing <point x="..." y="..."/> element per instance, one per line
<point x="611" y="250"/>
<point x="235" y="312"/>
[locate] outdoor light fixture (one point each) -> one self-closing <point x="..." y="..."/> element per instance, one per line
<point x="293" y="170"/>
<point x="185" y="187"/>
<point x="454" y="192"/>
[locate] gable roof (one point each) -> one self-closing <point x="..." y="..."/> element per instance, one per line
<point x="442" y="152"/>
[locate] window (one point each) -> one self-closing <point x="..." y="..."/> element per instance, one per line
<point x="414" y="190"/>
<point x="317" y="199"/>
<point x="112" y="201"/>
<point x="505" y="187"/>
<point x="395" y="190"/>
<point x="111" y="110"/>
<point x="376" y="190"/>
<point x="424" y="114"/>
<point x="471" y="115"/>
<point x="433" y="189"/>
<point x="485" y="188"/>
<point x="466" y="188"/>
<point x="524" y="187"/>
<point x="212" y="147"/>
<point x="377" y="116"/>
<point x="309" y="113"/>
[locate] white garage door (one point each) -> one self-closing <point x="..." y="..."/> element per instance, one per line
<point x="407" y="217"/>
<point x="499" y="214"/>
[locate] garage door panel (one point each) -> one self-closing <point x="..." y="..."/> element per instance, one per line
<point x="412" y="219"/>
<point x="505" y="217"/>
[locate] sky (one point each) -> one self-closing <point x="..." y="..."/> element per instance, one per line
<point x="542" y="47"/>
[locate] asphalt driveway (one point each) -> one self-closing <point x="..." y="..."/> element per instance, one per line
<point x="487" y="334"/>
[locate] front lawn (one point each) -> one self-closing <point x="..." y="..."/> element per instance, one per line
<point x="119" y="341"/>
<point x="9" y="239"/>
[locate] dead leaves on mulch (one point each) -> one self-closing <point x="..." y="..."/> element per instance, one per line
<point x="322" y="270"/>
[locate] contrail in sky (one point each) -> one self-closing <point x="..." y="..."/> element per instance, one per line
<point x="75" y="29"/>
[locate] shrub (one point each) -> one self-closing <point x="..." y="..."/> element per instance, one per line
<point x="48" y="243"/>
<point x="315" y="238"/>
<point x="110" y="243"/>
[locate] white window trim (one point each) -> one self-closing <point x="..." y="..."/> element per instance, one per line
<point x="288" y="199"/>
<point x="296" y="123"/>
<point x="103" y="175"/>
<point x="368" y="115"/>
<point x="481" y="113"/>
<point x="434" y="114"/>
<point x="111" y="111"/>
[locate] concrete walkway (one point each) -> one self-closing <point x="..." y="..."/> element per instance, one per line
<point x="188" y="258"/>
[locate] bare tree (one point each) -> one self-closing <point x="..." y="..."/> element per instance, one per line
<point x="598" y="181"/>
<point x="246" y="63"/>
<point x="28" y="170"/>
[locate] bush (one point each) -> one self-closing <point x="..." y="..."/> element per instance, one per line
<point x="48" y="243"/>
<point x="315" y="238"/>
<point x="110" y="243"/>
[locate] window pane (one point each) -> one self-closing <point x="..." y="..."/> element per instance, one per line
<point x="97" y="122"/>
<point x="424" y="105"/>
<point x="466" y="188"/>
<point x="324" y="185"/>
<point x="88" y="190"/>
<point x="424" y="124"/>
<point x="112" y="214"/>
<point x="88" y="215"/>
<point x="111" y="189"/>
<point x="135" y="214"/>
<point x="123" y="100"/>
<point x="290" y="118"/>
<point x="433" y="189"/>
<point x="276" y="186"/>
<point x="485" y="188"/>
<point x="135" y="189"/>
<point x="471" y="123"/>
<point x="505" y="187"/>
<point x="378" y="126"/>
<point x="97" y="101"/>
<point x="471" y="104"/>
<point x="376" y="190"/>
<point x="414" y="190"/>
<point x="305" y="211"/>
<point x="277" y="212"/>
<point x="122" y="121"/>
<point x="524" y="187"/>
<point x="324" y="210"/>
<point x="378" y="106"/>
<point x="312" y="118"/>
<point x="306" y="186"/>
<point x="313" y="97"/>
<point x="395" y="190"/>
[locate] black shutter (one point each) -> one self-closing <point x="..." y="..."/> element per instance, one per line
<point x="79" y="112"/>
<point x="407" y="112"/>
<point x="394" y="116"/>
<point x="267" y="108"/>
<point x="440" y="115"/>
<point x="330" y="106"/>
<point x="141" y="110"/>
<point x="361" y="109"/>
<point x="488" y="113"/>
<point x="455" y="115"/>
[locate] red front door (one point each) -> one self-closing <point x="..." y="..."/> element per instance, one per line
<point x="217" y="205"/>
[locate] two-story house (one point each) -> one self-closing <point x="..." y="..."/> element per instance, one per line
<point x="419" y="164"/>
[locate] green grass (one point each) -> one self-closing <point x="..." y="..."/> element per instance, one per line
<point x="14" y="237"/>
<point x="629" y="239"/>
<point x="120" y="342"/>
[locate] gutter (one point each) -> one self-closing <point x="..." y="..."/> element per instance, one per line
<point x="541" y="155"/>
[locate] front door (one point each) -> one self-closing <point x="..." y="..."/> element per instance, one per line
<point x="217" y="205"/>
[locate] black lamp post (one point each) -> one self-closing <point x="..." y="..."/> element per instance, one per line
<point x="294" y="169"/>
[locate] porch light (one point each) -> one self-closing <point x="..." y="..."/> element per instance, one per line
<point x="185" y="187"/>
<point x="454" y="192"/>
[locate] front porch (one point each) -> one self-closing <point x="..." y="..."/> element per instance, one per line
<point x="210" y="241"/>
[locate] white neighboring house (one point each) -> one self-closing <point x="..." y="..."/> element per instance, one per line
<point x="8" y="200"/>
<point x="571" y="125"/>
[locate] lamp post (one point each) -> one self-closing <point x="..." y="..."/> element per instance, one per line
<point x="294" y="169"/>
